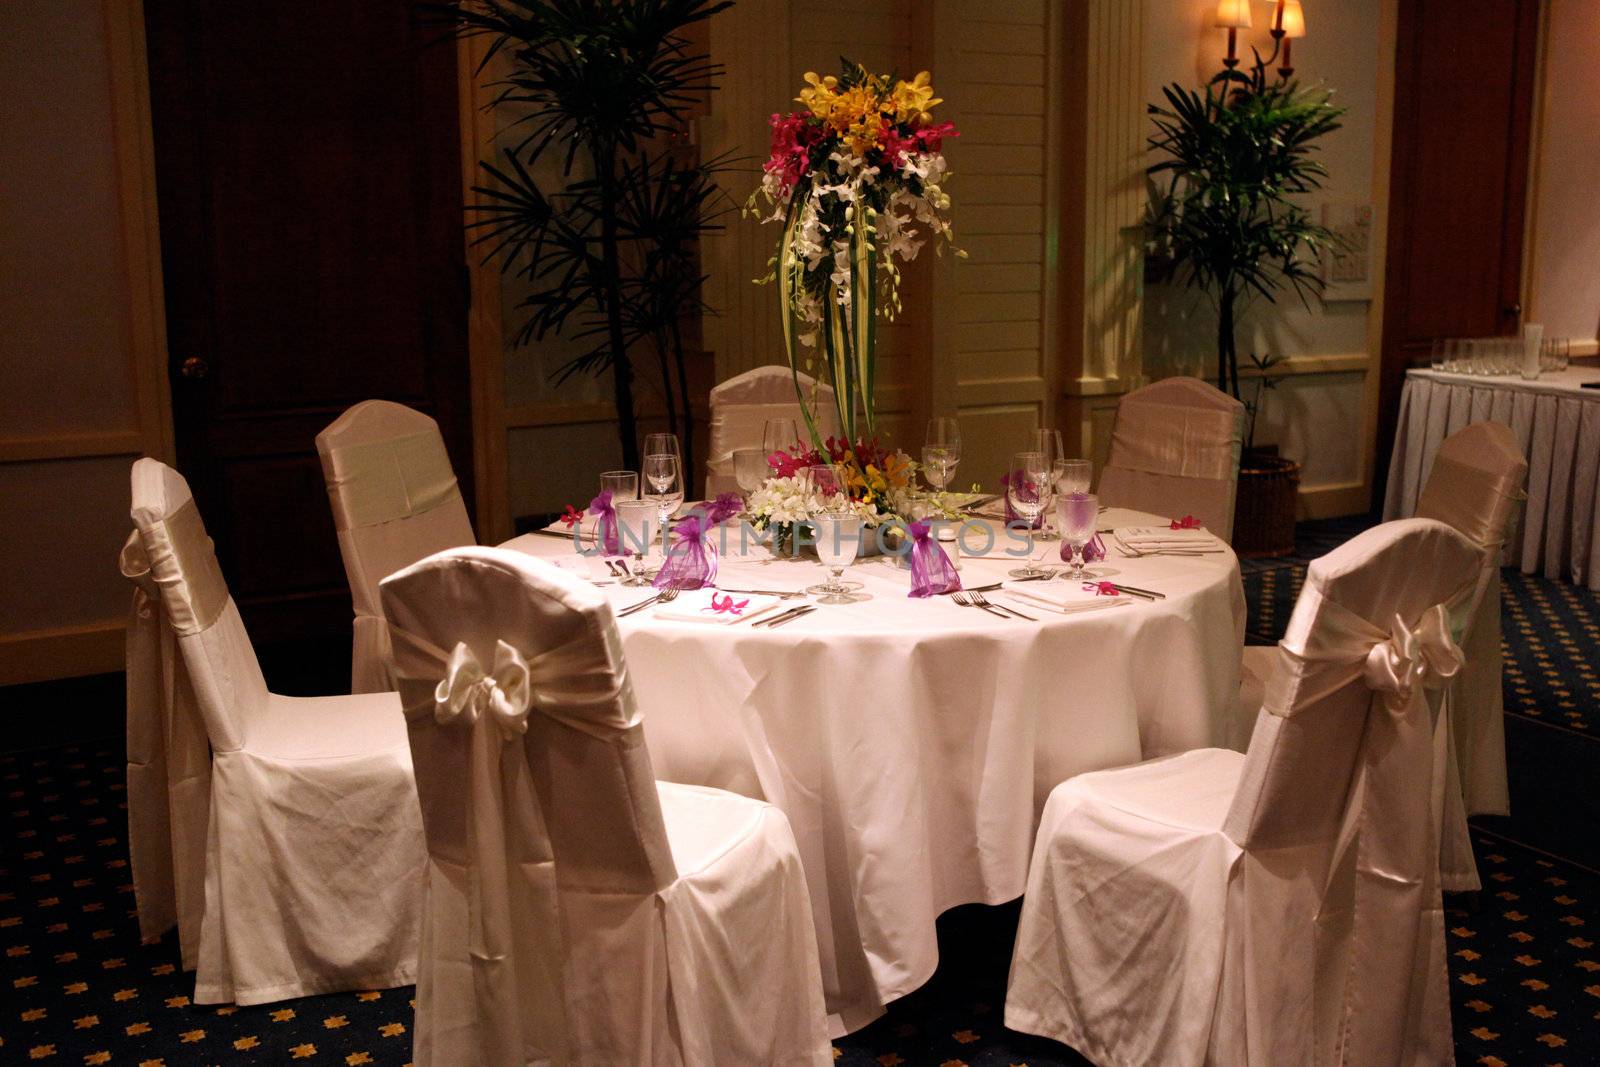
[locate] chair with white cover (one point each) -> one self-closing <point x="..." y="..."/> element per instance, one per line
<point x="741" y="406"/>
<point x="1175" y="449"/>
<point x="395" y="500"/>
<point x="1280" y="906"/>
<point x="1475" y="485"/>
<point x="291" y="858"/>
<point x="578" y="910"/>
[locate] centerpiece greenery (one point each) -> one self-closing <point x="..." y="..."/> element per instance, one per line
<point x="1236" y="155"/>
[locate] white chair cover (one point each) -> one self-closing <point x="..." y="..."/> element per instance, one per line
<point x="291" y="859"/>
<point x="741" y="406"/>
<point x="1175" y="451"/>
<point x="1281" y="906"/>
<point x="395" y="500"/>
<point x="1475" y="486"/>
<point x="578" y="911"/>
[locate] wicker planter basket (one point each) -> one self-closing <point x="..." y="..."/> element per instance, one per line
<point x="1263" y="520"/>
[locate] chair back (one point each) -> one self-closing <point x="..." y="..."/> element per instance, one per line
<point x="1475" y="485"/>
<point x="538" y="799"/>
<point x="1175" y="451"/>
<point x="217" y="654"/>
<point x="1338" y="809"/>
<point x="741" y="406"/>
<point x="395" y="500"/>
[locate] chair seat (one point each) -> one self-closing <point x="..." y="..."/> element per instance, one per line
<point x="328" y="728"/>
<point x="1190" y="791"/>
<point x="704" y="824"/>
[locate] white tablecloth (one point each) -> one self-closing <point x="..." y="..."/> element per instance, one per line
<point x="912" y="743"/>
<point x="1558" y="426"/>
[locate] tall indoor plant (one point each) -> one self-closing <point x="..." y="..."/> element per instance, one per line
<point x="610" y="251"/>
<point x="1235" y="156"/>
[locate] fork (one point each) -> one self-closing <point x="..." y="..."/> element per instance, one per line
<point x="666" y="596"/>
<point x="970" y="600"/>
<point x="983" y="602"/>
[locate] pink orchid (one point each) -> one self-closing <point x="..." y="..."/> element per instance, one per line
<point x="1188" y="522"/>
<point x="1101" y="588"/>
<point x="726" y="606"/>
<point x="572" y="517"/>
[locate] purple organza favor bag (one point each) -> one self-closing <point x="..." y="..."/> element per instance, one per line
<point x="1027" y="487"/>
<point x="691" y="562"/>
<point x="608" y="534"/>
<point x="931" y="569"/>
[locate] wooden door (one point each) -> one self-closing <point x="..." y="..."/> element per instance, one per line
<point x="1464" y="83"/>
<point x="308" y="178"/>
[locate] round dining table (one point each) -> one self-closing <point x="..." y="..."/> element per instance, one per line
<point x="912" y="742"/>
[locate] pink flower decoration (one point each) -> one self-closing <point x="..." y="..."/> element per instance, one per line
<point x="726" y="606"/>
<point x="1101" y="588"/>
<point x="1188" y="522"/>
<point x="572" y="517"/>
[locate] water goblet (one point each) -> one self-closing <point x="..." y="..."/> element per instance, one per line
<point x="622" y="485"/>
<point x="636" y="529"/>
<point x="750" y="470"/>
<point x="1077" y="513"/>
<point x="1025" y="492"/>
<point x="779" y="435"/>
<point x="838" y="530"/>
<point x="1073" y="476"/>
<point x="941" y="451"/>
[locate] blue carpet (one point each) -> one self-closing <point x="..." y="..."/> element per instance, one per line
<point x="1525" y="967"/>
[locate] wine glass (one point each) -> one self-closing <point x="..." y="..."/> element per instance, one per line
<point x="941" y="452"/>
<point x="636" y="528"/>
<point x="1049" y="443"/>
<point x="1077" y="513"/>
<point x="662" y="444"/>
<point x="1029" y="473"/>
<point x="838" y="529"/>
<point x="750" y="469"/>
<point x="663" y="483"/>
<point x="779" y="435"/>
<point x="622" y="485"/>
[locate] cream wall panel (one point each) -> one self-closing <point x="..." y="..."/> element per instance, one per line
<point x="64" y="302"/>
<point x="83" y="346"/>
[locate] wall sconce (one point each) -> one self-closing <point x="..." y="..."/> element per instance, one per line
<point x="1233" y="15"/>
<point x="1288" y="23"/>
<point x="1290" y="20"/>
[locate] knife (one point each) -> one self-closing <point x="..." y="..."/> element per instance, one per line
<point x="798" y="613"/>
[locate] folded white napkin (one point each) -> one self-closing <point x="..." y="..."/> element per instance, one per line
<point x="1164" y="537"/>
<point x="587" y="567"/>
<point x="714" y="606"/>
<point x="1065" y="596"/>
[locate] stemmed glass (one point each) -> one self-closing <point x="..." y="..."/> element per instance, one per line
<point x="636" y="528"/>
<point x="750" y="470"/>
<point x="838" y="529"/>
<point x="1025" y="491"/>
<point x="941" y="452"/>
<point x="1049" y="443"/>
<point x="663" y="483"/>
<point x="779" y="435"/>
<point x="1077" y="513"/>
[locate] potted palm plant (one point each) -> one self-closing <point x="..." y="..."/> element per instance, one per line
<point x="1233" y="160"/>
<point x="609" y="251"/>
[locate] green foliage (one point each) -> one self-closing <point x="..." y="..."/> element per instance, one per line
<point x="608" y="254"/>
<point x="1236" y="154"/>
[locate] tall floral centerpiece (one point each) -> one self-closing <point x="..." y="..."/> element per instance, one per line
<point x="854" y="180"/>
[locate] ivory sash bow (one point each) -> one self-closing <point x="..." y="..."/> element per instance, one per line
<point x="1398" y="922"/>
<point x="515" y="948"/>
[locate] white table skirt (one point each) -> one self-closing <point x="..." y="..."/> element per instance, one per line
<point x="1557" y="424"/>
<point x="912" y="744"/>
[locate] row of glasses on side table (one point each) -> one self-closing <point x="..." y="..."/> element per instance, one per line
<point x="1497" y="356"/>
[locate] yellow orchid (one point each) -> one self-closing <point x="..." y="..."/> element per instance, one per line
<point x="820" y="97"/>
<point x="914" y="99"/>
<point x="897" y="465"/>
<point x="875" y="480"/>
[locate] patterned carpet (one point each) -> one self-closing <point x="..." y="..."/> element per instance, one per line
<point x="1525" y="964"/>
